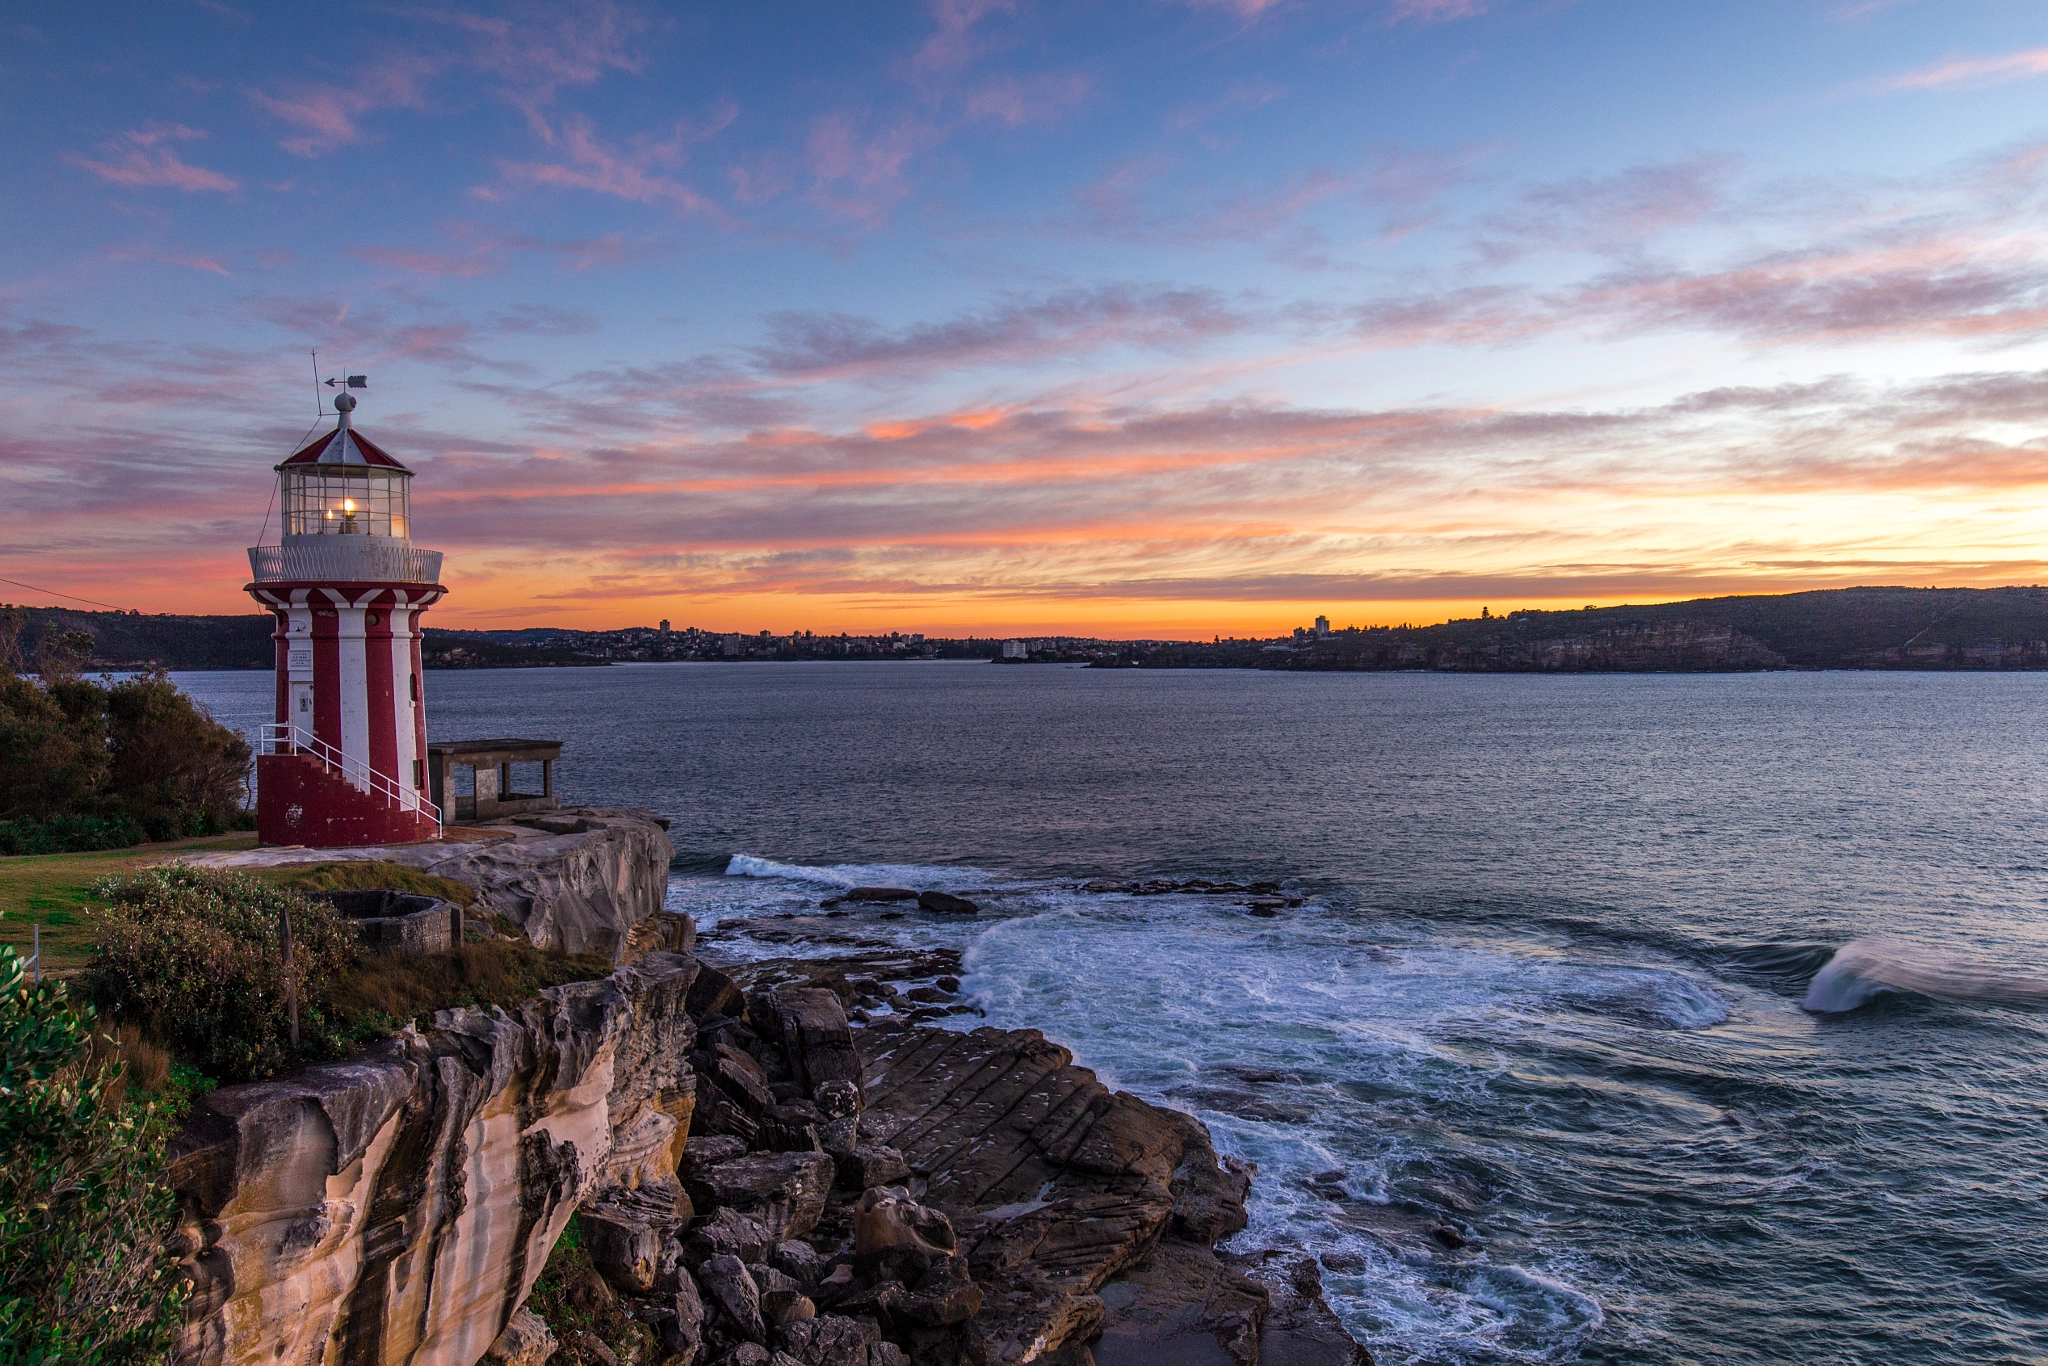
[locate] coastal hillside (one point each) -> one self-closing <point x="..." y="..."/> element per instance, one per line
<point x="1847" y="628"/>
<point x="1850" y="628"/>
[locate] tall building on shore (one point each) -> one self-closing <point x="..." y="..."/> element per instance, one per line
<point x="345" y="761"/>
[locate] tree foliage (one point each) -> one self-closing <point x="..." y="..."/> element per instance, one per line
<point x="86" y="1272"/>
<point x="194" y="958"/>
<point x="137" y="754"/>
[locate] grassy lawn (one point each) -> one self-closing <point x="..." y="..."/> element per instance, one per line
<point x="52" y="888"/>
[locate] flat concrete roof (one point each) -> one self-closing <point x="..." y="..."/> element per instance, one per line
<point x="477" y="749"/>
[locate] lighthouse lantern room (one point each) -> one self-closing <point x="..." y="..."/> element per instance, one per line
<point x="345" y="761"/>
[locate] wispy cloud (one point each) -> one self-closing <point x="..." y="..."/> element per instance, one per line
<point x="189" y="260"/>
<point x="329" y="117"/>
<point x="1975" y="71"/>
<point x="142" y="158"/>
<point x="643" y="170"/>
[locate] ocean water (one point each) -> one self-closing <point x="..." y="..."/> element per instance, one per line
<point x="1712" y="1011"/>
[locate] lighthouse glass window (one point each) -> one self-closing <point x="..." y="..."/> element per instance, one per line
<point x="341" y="500"/>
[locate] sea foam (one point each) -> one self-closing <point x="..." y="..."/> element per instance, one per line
<point x="1864" y="969"/>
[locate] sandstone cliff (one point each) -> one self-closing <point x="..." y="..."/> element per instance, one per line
<point x="579" y="879"/>
<point x="397" y="1207"/>
<point x="756" y="1181"/>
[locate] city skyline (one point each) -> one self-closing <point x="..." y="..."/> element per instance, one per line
<point x="1006" y="319"/>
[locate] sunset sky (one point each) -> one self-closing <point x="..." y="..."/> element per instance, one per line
<point x="1132" y="319"/>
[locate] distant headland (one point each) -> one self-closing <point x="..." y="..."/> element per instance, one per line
<point x="1845" y="628"/>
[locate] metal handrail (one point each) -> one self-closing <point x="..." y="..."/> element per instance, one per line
<point x="284" y="738"/>
<point x="344" y="557"/>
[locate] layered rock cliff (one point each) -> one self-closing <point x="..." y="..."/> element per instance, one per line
<point x="397" y="1207"/>
<point x="756" y="1180"/>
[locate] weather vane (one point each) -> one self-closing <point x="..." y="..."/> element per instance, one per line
<point x="334" y="381"/>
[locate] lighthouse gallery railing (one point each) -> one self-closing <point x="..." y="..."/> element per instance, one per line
<point x="290" y="739"/>
<point x="349" y="559"/>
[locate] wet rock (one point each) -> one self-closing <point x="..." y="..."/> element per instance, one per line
<point x="526" y="1341"/>
<point x="870" y="1165"/>
<point x="784" y="1192"/>
<point x="746" y="1354"/>
<point x="728" y="1285"/>
<point x="727" y="1233"/>
<point x="810" y="1024"/>
<point x="879" y="894"/>
<point x="1299" y="1328"/>
<point x="1265" y="907"/>
<point x="929" y="995"/>
<point x="713" y="993"/>
<point x="709" y="1150"/>
<point x="887" y="1219"/>
<point x="830" y="1340"/>
<point x="797" y="1260"/>
<point x="946" y="903"/>
<point x="887" y="1354"/>
<point x="947" y="984"/>
<point x="1448" y="1236"/>
<point x="1053" y="1184"/>
<point x="679" y="1323"/>
<point x="1181" y="1304"/>
<point x="626" y="1251"/>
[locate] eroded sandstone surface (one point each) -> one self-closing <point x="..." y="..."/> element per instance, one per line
<point x="579" y="879"/>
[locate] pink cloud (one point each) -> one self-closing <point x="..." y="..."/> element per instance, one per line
<point x="190" y="262"/>
<point x="539" y="51"/>
<point x="1438" y="11"/>
<point x="640" y="172"/>
<point x="862" y="176"/>
<point x="2012" y="66"/>
<point x="1247" y="10"/>
<point x="955" y="42"/>
<point x="1016" y="101"/>
<point x="330" y="115"/>
<point x="140" y="159"/>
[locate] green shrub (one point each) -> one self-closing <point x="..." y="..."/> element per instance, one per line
<point x="175" y="770"/>
<point x="86" y="1275"/>
<point x="139" y="757"/>
<point x="69" y="834"/>
<point x="192" y="958"/>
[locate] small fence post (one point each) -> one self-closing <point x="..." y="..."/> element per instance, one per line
<point x="291" y="983"/>
<point x="36" y="956"/>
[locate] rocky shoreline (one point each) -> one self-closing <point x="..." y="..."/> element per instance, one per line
<point x="770" y="1167"/>
<point x="795" y="1161"/>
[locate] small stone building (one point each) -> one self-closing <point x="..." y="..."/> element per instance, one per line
<point x="478" y="780"/>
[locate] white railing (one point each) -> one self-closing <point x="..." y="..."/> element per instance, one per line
<point x="289" y="739"/>
<point x="350" y="559"/>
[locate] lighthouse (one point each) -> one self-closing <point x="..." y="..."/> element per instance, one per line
<point x="345" y="761"/>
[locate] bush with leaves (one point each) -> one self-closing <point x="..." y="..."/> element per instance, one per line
<point x="86" y="1273"/>
<point x="172" y="767"/>
<point x="136" y="755"/>
<point x="194" y="958"/>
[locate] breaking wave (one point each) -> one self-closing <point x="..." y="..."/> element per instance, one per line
<point x="1864" y="969"/>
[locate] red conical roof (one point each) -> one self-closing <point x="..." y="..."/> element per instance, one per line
<point x="344" y="446"/>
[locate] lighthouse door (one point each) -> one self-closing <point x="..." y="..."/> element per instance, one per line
<point x="302" y="706"/>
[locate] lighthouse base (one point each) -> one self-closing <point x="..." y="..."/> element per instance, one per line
<point x="299" y="800"/>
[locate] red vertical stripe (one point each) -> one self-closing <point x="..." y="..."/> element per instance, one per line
<point x="327" y="675"/>
<point x="383" y="720"/>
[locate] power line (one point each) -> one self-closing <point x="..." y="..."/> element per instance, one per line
<point x="55" y="594"/>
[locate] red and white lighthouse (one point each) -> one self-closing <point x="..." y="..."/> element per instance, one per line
<point x="345" y="762"/>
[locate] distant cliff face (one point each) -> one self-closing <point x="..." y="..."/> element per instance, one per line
<point x="397" y="1207"/>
